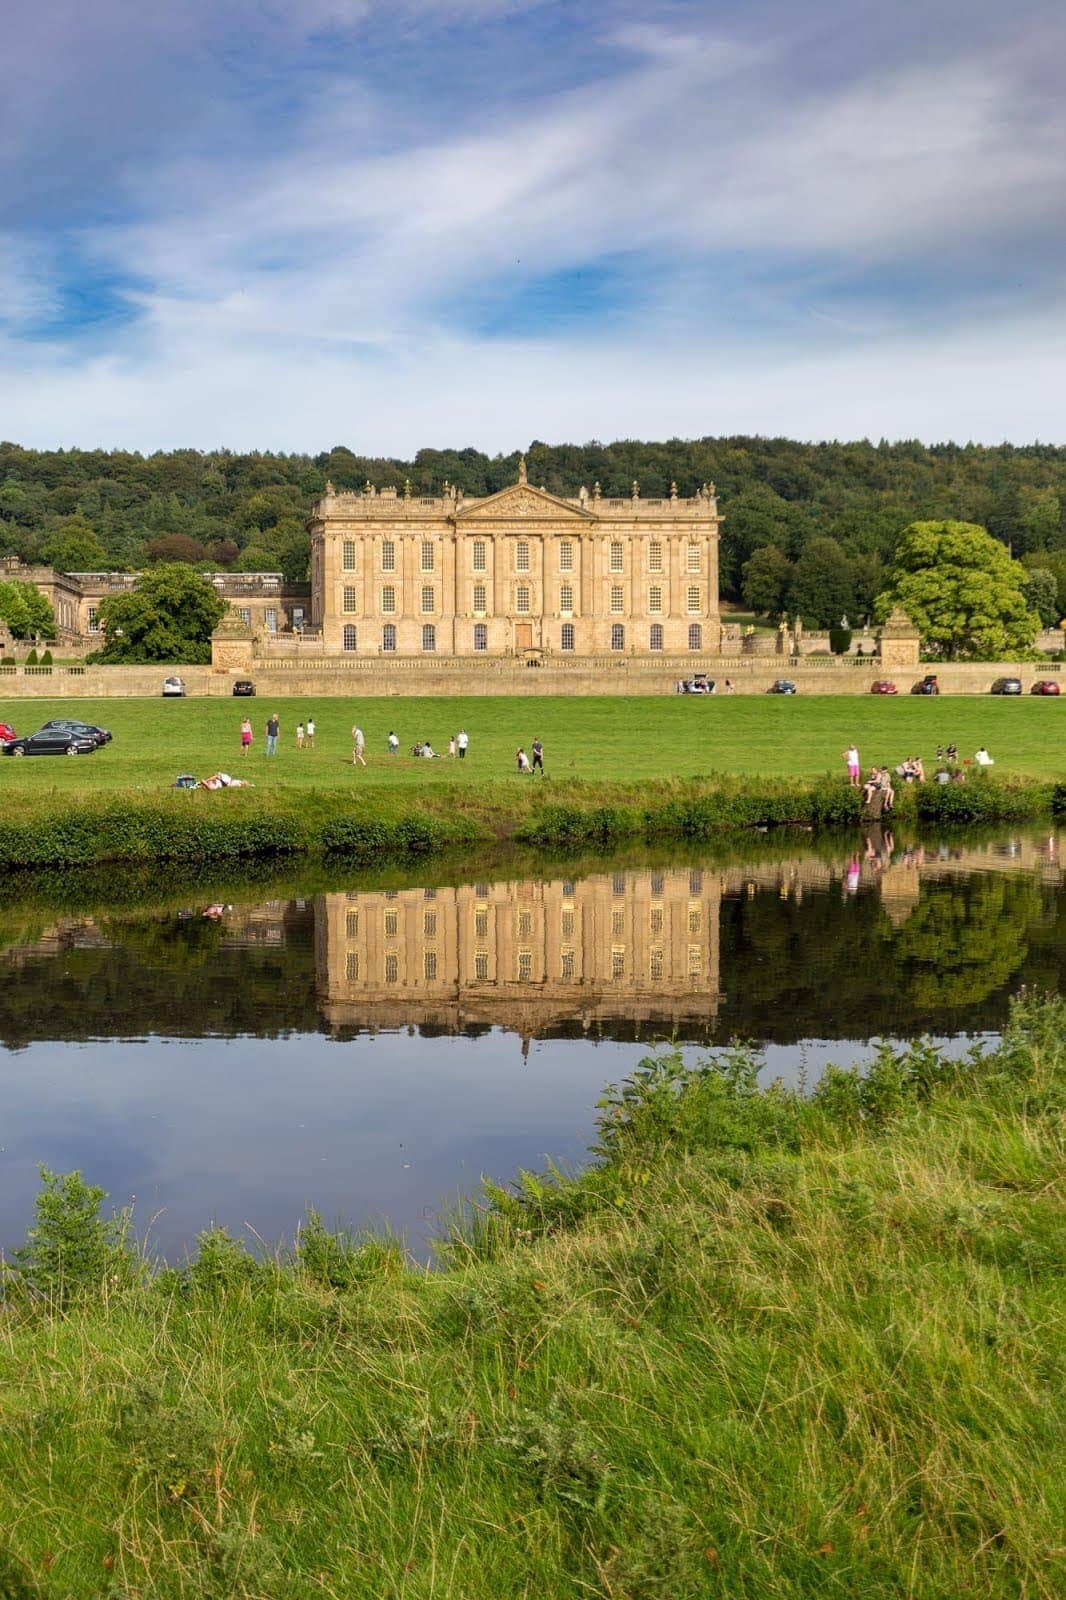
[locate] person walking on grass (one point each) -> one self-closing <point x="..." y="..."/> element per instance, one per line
<point x="394" y="742"/>
<point x="273" y="729"/>
<point x="358" y="747"/>
<point x="309" y="739"/>
<point x="851" y="756"/>
<point x="538" y="757"/>
<point x="299" y="736"/>
<point x="246" y="736"/>
<point x="461" y="743"/>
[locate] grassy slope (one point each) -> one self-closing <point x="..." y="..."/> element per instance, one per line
<point x="763" y="1350"/>
<point x="610" y="738"/>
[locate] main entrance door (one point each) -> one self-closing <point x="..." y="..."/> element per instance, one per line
<point x="523" y="636"/>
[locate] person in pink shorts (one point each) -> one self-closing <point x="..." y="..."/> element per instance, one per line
<point x="246" y="736"/>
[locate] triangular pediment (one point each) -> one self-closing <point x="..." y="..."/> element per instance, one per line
<point x="522" y="503"/>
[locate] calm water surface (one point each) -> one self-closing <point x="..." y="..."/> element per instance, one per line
<point x="371" y="1044"/>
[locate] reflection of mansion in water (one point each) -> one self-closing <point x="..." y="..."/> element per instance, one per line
<point x="528" y="956"/>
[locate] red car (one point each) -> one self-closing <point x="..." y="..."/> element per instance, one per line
<point x="882" y="686"/>
<point x="1045" y="686"/>
<point x="6" y="732"/>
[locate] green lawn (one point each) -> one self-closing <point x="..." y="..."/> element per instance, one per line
<point x="609" y="738"/>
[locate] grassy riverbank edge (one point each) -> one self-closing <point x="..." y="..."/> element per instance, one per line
<point x="199" y="826"/>
<point x="767" y="1344"/>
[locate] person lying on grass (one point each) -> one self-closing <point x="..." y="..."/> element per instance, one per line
<point x="222" y="780"/>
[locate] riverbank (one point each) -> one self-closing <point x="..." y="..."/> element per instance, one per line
<point x="765" y="1345"/>
<point x="197" y="826"/>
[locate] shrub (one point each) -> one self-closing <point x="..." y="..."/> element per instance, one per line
<point x="71" y="1248"/>
<point x="31" y="659"/>
<point x="840" y="641"/>
<point x="46" y="658"/>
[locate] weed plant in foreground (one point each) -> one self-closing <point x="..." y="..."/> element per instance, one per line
<point x="765" y="1345"/>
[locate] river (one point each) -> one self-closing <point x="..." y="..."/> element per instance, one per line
<point x="370" y="1043"/>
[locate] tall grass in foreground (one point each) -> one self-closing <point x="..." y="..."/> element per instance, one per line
<point x="766" y="1345"/>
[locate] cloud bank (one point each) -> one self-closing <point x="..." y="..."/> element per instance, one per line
<point x="290" y="226"/>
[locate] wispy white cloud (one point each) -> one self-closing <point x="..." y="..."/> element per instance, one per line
<point x="339" y="264"/>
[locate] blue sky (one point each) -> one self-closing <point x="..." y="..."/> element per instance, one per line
<point x="390" y="223"/>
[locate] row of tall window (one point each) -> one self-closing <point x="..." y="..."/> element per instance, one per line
<point x="567" y="637"/>
<point x="524" y="968"/>
<point x="522" y="550"/>
<point x="523" y="597"/>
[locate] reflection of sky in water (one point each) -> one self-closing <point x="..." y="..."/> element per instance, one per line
<point x="253" y="1131"/>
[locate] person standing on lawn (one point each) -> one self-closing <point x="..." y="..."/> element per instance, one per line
<point x="394" y="742"/>
<point x="851" y="756"/>
<point x="462" y="741"/>
<point x="246" y="736"/>
<point x="358" y="747"/>
<point x="310" y="736"/>
<point x="273" y="729"/>
<point x="538" y="757"/>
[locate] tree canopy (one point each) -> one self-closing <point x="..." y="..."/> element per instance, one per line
<point x="25" y="610"/>
<point x="168" y="617"/>
<point x="963" y="592"/>
<point x="250" y="509"/>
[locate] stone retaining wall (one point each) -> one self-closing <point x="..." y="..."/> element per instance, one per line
<point x="413" y="676"/>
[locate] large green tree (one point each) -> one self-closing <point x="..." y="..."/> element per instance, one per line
<point x="962" y="591"/>
<point x="822" y="589"/>
<point x="766" y="575"/>
<point x="168" y="617"/>
<point x="26" y="611"/>
<point x="1042" y="595"/>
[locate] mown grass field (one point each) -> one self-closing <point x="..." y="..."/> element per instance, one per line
<point x="598" y="739"/>
<point x="767" y="1348"/>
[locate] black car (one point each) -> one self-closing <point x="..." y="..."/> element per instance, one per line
<point x="782" y="686"/>
<point x="1006" y="686"/>
<point x="87" y="730"/>
<point x="244" y="686"/>
<point x="928" y="685"/>
<point x="51" y="742"/>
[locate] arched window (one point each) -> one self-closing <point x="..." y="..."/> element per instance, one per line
<point x="566" y="641"/>
<point x="348" y="555"/>
<point x="350" y="597"/>
<point x="618" y="637"/>
<point x="695" y="636"/>
<point x="655" y="599"/>
<point x="522" y="599"/>
<point x="349" y="636"/>
<point x="388" y="599"/>
<point x="388" y="637"/>
<point x="481" y="636"/>
<point x="656" y="639"/>
<point x="429" y="637"/>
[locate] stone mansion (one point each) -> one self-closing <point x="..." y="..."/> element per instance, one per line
<point x="521" y="573"/>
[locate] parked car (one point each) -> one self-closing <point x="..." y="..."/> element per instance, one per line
<point x="6" y="732"/>
<point x="51" y="742"/>
<point x="1041" y="686"/>
<point x="928" y="685"/>
<point x="173" y="688"/>
<point x="244" y="686"/>
<point x="882" y="686"/>
<point x="1006" y="686"/>
<point x="88" y="730"/>
<point x="782" y="686"/>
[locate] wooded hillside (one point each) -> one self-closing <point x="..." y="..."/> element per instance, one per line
<point x="87" y="509"/>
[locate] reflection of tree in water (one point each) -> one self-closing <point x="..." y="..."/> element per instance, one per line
<point x="963" y="941"/>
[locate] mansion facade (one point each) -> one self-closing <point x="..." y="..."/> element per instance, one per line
<point x="520" y="573"/>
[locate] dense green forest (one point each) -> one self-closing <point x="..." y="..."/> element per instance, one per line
<point x="88" y="509"/>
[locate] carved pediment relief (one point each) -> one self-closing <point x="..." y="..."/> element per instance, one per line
<point x="522" y="503"/>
